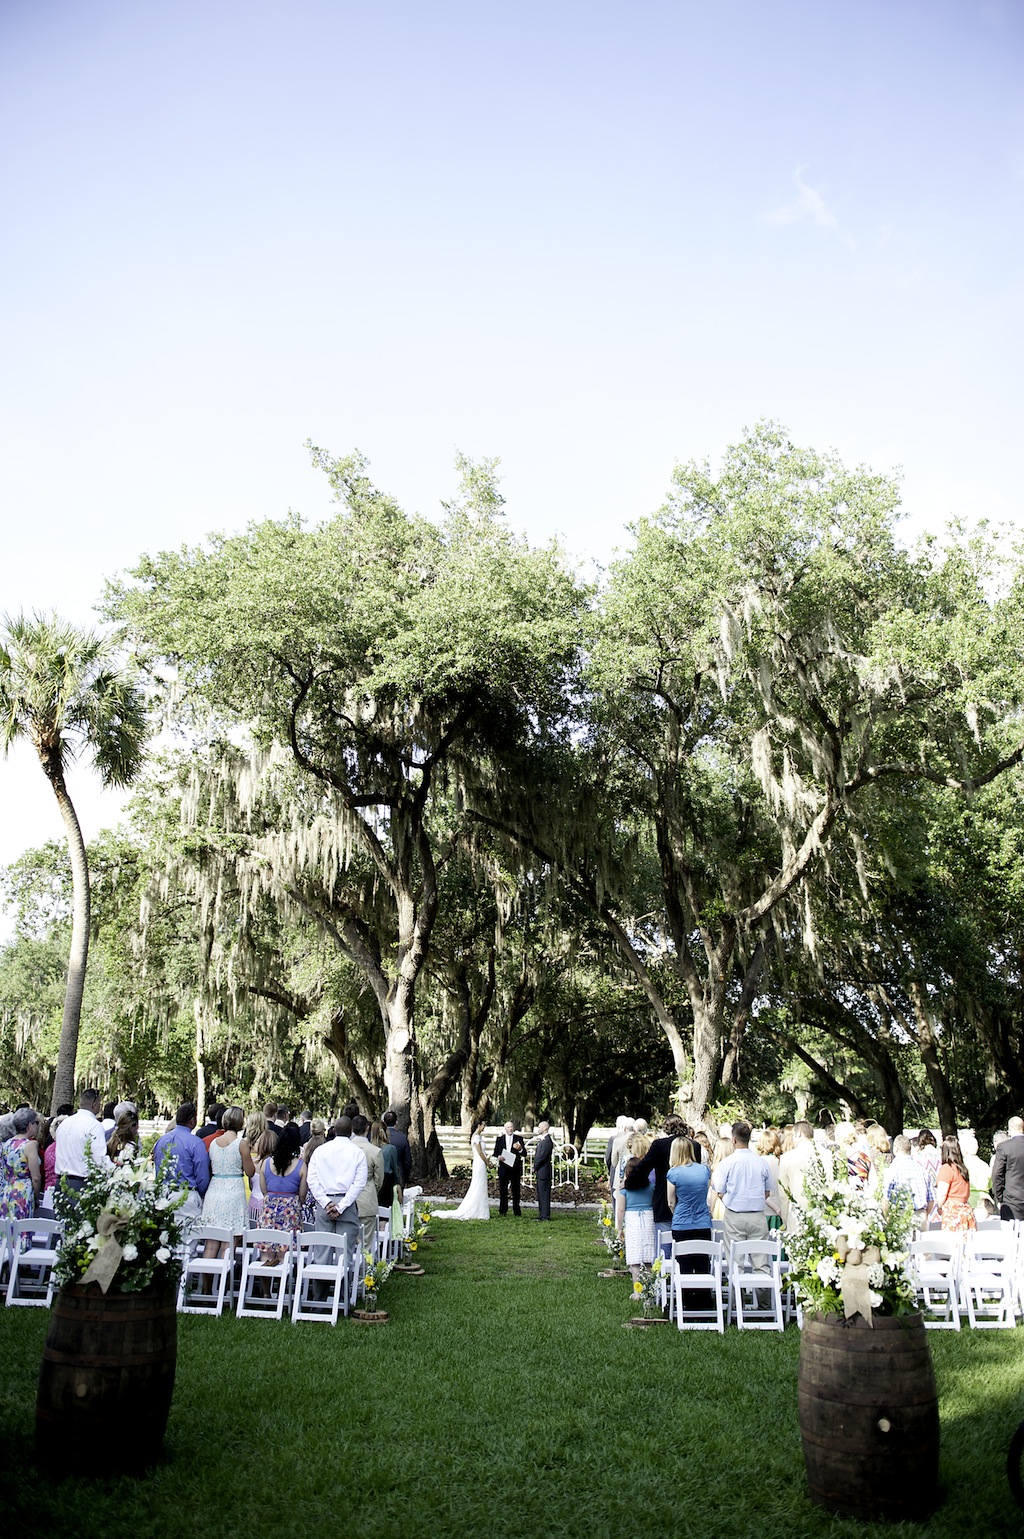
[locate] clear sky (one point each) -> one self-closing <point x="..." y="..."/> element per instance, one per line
<point x="589" y="238"/>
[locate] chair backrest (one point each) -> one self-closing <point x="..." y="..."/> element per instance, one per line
<point x="711" y="1248"/>
<point x="942" y="1247"/>
<point x="278" y="1237"/>
<point x="991" y="1246"/>
<point x="321" y="1239"/>
<point x="750" y="1250"/>
<point x="218" y="1236"/>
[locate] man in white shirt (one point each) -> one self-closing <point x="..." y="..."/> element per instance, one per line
<point x="336" y="1175"/>
<point x="76" y="1134"/>
<point x="793" y="1168"/>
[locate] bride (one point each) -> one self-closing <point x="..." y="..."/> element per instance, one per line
<point x="474" y="1204"/>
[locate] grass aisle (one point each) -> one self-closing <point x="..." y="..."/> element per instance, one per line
<point x="505" y="1398"/>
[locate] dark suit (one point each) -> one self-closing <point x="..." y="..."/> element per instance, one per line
<point x="510" y="1175"/>
<point x="401" y="1143"/>
<point x="657" y="1159"/>
<point x="1008" y="1175"/>
<point x="542" y="1175"/>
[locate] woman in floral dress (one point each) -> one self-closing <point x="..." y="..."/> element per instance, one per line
<point x="21" y="1176"/>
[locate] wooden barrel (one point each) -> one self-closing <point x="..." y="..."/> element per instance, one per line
<point x="869" y="1416"/>
<point x="106" y="1380"/>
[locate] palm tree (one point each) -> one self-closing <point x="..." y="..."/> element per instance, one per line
<point x="63" y="690"/>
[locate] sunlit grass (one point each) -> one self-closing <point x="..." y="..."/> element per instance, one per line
<point x="503" y="1397"/>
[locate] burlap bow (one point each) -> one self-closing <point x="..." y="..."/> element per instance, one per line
<point x="854" y="1286"/>
<point x="107" y="1259"/>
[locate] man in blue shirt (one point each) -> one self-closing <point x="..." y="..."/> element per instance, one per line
<point x="188" y="1160"/>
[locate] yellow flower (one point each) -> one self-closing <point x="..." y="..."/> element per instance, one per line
<point x="638" y="1287"/>
<point x="607" y="1223"/>
<point x="412" y="1244"/>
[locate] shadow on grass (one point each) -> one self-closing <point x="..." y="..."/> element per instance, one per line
<point x="504" y="1395"/>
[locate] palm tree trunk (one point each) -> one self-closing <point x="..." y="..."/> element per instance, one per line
<point x="64" y="1078"/>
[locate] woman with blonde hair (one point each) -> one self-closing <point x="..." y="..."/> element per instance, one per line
<point x="688" y="1182"/>
<point x="769" y="1147"/>
<point x="722" y="1150"/>
<point x="637" y="1198"/>
<point x="262" y="1143"/>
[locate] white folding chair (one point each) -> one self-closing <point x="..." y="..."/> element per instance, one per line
<point x="5" y="1249"/>
<point x="194" y="1298"/>
<point x="937" y="1261"/>
<point x="34" y="1243"/>
<point x="253" y="1303"/>
<point x="322" y="1262"/>
<point x="754" y="1267"/>
<point x="390" y="1241"/>
<point x="690" y="1317"/>
<point x="988" y="1279"/>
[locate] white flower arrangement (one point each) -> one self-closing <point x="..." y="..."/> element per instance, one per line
<point x="838" y="1221"/>
<point x="122" y="1223"/>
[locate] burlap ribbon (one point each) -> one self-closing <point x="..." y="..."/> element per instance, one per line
<point x="854" y="1287"/>
<point x="107" y="1259"/>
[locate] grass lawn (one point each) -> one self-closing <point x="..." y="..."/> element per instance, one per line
<point x="503" y="1399"/>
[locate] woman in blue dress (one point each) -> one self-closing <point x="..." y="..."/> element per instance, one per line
<point x="688" y="1182"/>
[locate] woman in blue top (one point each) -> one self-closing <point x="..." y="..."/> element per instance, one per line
<point x="688" y="1182"/>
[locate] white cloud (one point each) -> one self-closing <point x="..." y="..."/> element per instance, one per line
<point x="808" y="204"/>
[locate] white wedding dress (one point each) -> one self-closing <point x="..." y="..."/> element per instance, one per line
<point x="474" y="1204"/>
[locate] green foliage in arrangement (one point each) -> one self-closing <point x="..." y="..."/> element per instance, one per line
<point x="511" y="1313"/>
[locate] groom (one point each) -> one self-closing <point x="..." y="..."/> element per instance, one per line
<point x="509" y="1143"/>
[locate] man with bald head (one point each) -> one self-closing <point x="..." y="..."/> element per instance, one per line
<point x="1008" y="1172"/>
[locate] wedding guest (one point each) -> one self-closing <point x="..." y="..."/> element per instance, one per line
<point x="231" y="1161"/>
<point x="337" y="1176"/>
<point x="188" y="1163"/>
<point x="1008" y="1171"/>
<point x="283" y="1181"/>
<point x="722" y="1150"/>
<point x="926" y="1153"/>
<point x="657" y="1160"/>
<point x="77" y="1134"/>
<point x="769" y="1147"/>
<point x="211" y="1128"/>
<point x="743" y="1184"/>
<point x="21" y="1176"/>
<point x="953" y="1189"/>
<point x="261" y="1143"/>
<point x="126" y="1131"/>
<point x="880" y="1154"/>
<point x="978" y="1169"/>
<point x="369" y="1197"/>
<point x="305" y="1125"/>
<point x="316" y="1140"/>
<point x="905" y="1174"/>
<point x="392" y="1183"/>
<point x="401" y="1143"/>
<point x="638" y="1201"/>
<point x="687" y="1185"/>
<point x="48" y="1145"/>
<point x="793" y="1167"/>
<point x="108" y="1120"/>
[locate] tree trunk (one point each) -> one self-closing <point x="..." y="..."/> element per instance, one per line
<point x="928" y="1047"/>
<point x="64" y="1078"/>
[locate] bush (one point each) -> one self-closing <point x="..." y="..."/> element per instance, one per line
<point x="460" y="1172"/>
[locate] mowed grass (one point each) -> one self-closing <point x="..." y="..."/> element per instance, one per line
<point x="504" y="1398"/>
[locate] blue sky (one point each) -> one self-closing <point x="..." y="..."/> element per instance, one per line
<point x="591" y="239"/>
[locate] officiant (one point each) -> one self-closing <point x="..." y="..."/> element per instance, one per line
<point x="509" y="1149"/>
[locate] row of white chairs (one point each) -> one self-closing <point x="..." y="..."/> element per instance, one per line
<point x="315" y="1264"/>
<point x="977" y="1272"/>
<point x="744" y="1284"/>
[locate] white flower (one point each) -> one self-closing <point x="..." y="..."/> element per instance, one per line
<point x="165" y="1238"/>
<point x="874" y="1299"/>
<point x="163" y="1255"/>
<point x="876" y="1275"/>
<point x="163" y="1202"/>
<point x="130" y="1252"/>
<point x="85" y="1229"/>
<point x="827" y="1270"/>
<point x="95" y="1242"/>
